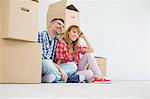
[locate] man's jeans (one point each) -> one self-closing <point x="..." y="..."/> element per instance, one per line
<point x="49" y="68"/>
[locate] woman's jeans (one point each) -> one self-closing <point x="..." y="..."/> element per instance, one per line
<point x="93" y="68"/>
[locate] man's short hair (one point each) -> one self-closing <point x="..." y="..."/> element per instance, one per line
<point x="57" y="19"/>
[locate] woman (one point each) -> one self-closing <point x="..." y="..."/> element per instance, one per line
<point x="69" y="50"/>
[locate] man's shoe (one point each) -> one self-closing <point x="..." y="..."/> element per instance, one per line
<point x="75" y="78"/>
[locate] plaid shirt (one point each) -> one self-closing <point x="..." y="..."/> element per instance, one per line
<point x="64" y="55"/>
<point x="48" y="45"/>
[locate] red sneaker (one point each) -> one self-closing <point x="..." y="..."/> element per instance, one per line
<point x="102" y="81"/>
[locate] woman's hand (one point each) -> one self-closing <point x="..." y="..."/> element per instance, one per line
<point x="82" y="35"/>
<point x="89" y="47"/>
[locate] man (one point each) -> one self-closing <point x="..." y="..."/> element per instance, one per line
<point x="51" y="72"/>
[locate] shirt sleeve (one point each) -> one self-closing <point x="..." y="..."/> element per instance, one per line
<point x="44" y="44"/>
<point x="60" y="51"/>
<point x="82" y="49"/>
<point x="39" y="37"/>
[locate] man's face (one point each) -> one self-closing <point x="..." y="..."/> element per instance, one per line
<point x="58" y="26"/>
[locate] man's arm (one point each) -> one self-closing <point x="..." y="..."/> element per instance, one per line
<point x="39" y="37"/>
<point x="61" y="70"/>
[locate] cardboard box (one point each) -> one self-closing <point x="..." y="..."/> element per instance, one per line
<point x="69" y="13"/>
<point x="20" y="61"/>
<point x="19" y="19"/>
<point x="0" y="62"/>
<point x="0" y="48"/>
<point x="102" y="62"/>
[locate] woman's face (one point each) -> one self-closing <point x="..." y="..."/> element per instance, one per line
<point x="74" y="34"/>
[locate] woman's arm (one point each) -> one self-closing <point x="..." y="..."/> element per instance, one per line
<point x="59" y="62"/>
<point x="90" y="48"/>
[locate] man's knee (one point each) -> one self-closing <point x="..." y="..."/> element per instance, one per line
<point x="73" y="66"/>
<point x="69" y="67"/>
<point x="47" y="65"/>
<point x="91" y="74"/>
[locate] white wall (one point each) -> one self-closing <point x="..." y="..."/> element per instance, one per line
<point x="149" y="37"/>
<point x="118" y="31"/>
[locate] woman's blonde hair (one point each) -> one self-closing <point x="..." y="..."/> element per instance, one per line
<point x="74" y="44"/>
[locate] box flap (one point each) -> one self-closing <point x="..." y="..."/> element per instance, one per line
<point x="37" y="1"/>
<point x="72" y="7"/>
<point x="99" y="57"/>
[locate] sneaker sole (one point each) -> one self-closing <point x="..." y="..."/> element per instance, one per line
<point x="102" y="82"/>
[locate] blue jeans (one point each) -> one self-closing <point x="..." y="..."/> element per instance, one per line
<point x="48" y="67"/>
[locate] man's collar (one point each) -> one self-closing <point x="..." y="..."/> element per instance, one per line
<point x="50" y="36"/>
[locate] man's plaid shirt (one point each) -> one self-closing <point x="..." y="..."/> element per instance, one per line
<point x="48" y="45"/>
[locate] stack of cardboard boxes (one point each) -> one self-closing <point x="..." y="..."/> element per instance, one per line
<point x="71" y="16"/>
<point x="20" y="54"/>
<point x="69" y="13"/>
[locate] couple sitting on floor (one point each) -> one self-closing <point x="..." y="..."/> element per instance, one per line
<point x="61" y="61"/>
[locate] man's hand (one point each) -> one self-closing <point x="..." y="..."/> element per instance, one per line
<point x="64" y="74"/>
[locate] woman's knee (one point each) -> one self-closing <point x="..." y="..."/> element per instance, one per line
<point x="87" y="54"/>
<point x="87" y="73"/>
